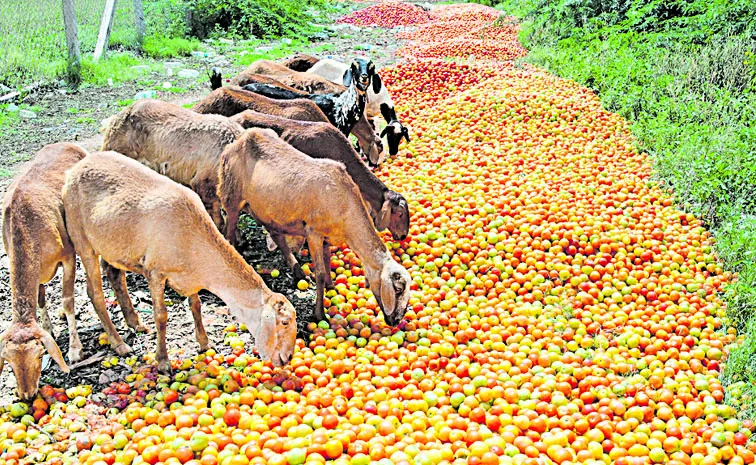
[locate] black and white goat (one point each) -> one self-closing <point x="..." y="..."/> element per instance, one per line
<point x="379" y="102"/>
<point x="343" y="109"/>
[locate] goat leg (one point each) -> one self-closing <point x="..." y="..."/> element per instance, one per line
<point x="41" y="303"/>
<point x="327" y="265"/>
<point x="232" y="218"/>
<point x="315" y="244"/>
<point x="199" y="329"/>
<point x="157" y="291"/>
<point x="288" y="255"/>
<point x="75" y="349"/>
<point x="96" y="296"/>
<point x="117" y="280"/>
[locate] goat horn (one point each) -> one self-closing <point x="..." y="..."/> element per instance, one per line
<point x="54" y="351"/>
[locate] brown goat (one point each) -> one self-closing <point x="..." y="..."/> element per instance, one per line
<point x="387" y="208"/>
<point x="37" y="243"/>
<point x="293" y="194"/>
<point x="140" y="221"/>
<point x="309" y="83"/>
<point x="176" y="142"/>
<point x="231" y="100"/>
<point x="300" y="62"/>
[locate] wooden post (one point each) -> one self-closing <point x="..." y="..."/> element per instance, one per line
<point x="72" y="40"/>
<point x="139" y="19"/>
<point x="105" y="27"/>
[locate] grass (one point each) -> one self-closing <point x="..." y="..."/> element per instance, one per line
<point x="687" y="84"/>
<point x="168" y="47"/>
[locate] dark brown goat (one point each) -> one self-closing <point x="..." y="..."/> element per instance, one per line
<point x="300" y="62"/>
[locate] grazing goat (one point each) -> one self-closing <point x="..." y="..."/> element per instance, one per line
<point x="140" y="221"/>
<point x="37" y="243"/>
<point x="387" y="208"/>
<point x="305" y="82"/>
<point x="228" y="101"/>
<point x="231" y="100"/>
<point x="176" y="142"/>
<point x="293" y="194"/>
<point x="379" y="102"/>
<point x="300" y="62"/>
<point x="344" y="108"/>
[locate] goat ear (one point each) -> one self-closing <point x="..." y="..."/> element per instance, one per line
<point x="54" y="351"/>
<point x="376" y="83"/>
<point x="385" y="131"/>
<point x="384" y="215"/>
<point x="405" y="134"/>
<point x="265" y="336"/>
<point x="348" y="77"/>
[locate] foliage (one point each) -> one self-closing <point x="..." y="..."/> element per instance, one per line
<point x="232" y="18"/>
<point x="683" y="72"/>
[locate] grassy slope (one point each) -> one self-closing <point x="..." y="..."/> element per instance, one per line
<point x="687" y="83"/>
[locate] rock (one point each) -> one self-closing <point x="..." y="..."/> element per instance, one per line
<point x="203" y="54"/>
<point x="226" y="41"/>
<point x="172" y="64"/>
<point x="319" y="36"/>
<point x="188" y="73"/>
<point x="167" y="85"/>
<point x="4" y="89"/>
<point x="144" y="94"/>
<point x="263" y="49"/>
<point x="28" y="114"/>
<point x="12" y="108"/>
<point x="286" y="41"/>
<point x="141" y="68"/>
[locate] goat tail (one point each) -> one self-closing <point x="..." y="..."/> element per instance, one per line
<point x="271" y="91"/>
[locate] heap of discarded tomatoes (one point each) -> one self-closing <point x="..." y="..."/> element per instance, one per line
<point x="563" y="311"/>
<point x="387" y="14"/>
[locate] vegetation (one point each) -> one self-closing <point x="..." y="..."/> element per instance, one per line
<point x="684" y="73"/>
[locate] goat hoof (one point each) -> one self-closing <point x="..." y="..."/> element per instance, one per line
<point x="141" y="328"/>
<point x="165" y="369"/>
<point x="298" y="273"/>
<point x="75" y="354"/>
<point x="122" y="349"/>
<point x="206" y="346"/>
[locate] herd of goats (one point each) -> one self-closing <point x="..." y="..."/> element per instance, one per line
<point x="163" y="197"/>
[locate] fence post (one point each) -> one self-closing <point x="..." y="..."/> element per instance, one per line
<point x="72" y="40"/>
<point x="105" y="27"/>
<point x="139" y="18"/>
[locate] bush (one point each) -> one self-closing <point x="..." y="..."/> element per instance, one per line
<point x="230" y="18"/>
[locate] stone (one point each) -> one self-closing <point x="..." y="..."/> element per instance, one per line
<point x="172" y="64"/>
<point x="12" y="108"/>
<point x="188" y="73"/>
<point x="28" y="114"/>
<point x="141" y="68"/>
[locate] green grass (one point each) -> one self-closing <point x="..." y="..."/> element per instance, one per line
<point x="115" y="66"/>
<point x="168" y="47"/>
<point x="686" y="80"/>
<point x="5" y="173"/>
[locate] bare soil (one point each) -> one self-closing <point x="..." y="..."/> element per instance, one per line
<point x="56" y="122"/>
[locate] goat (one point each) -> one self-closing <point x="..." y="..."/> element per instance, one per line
<point x="231" y="100"/>
<point x="379" y="102"/>
<point x="293" y="194"/>
<point x="387" y="208"/>
<point x="306" y="82"/>
<point x="37" y="243"/>
<point x="176" y="142"/>
<point x="140" y="221"/>
<point x="344" y="108"/>
<point x="300" y="62"/>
